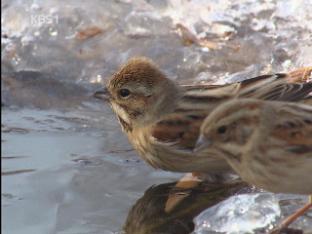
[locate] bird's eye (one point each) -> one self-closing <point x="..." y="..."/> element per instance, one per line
<point x="222" y="129"/>
<point x="124" y="93"/>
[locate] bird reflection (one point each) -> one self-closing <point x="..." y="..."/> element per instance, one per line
<point x="150" y="216"/>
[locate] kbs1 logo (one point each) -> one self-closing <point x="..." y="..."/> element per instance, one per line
<point x="39" y="20"/>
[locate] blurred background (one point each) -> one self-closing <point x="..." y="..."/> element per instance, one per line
<point x="66" y="166"/>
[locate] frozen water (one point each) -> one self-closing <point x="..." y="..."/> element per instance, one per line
<point x="251" y="213"/>
<point x="85" y="41"/>
<point x="239" y="214"/>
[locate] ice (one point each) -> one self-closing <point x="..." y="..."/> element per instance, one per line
<point x="44" y="36"/>
<point x="251" y="213"/>
<point x="239" y="214"/>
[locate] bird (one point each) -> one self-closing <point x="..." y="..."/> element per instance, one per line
<point x="267" y="143"/>
<point x="162" y="119"/>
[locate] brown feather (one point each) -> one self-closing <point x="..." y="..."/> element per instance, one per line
<point x="303" y="74"/>
<point x="184" y="129"/>
<point x="294" y="125"/>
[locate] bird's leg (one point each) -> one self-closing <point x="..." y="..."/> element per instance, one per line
<point x="188" y="181"/>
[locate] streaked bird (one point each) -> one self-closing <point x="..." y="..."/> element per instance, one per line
<point x="267" y="143"/>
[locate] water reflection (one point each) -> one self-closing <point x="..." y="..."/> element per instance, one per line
<point x="148" y="214"/>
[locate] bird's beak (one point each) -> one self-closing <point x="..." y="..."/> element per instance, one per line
<point x="201" y="144"/>
<point x="102" y="94"/>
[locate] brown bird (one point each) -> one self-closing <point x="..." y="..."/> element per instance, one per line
<point x="268" y="143"/>
<point x="162" y="119"/>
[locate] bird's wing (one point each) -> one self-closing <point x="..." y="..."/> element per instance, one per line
<point x="277" y="90"/>
<point x="294" y="126"/>
<point x="179" y="130"/>
<point x="207" y="97"/>
<point x="292" y="86"/>
<point x="266" y="87"/>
